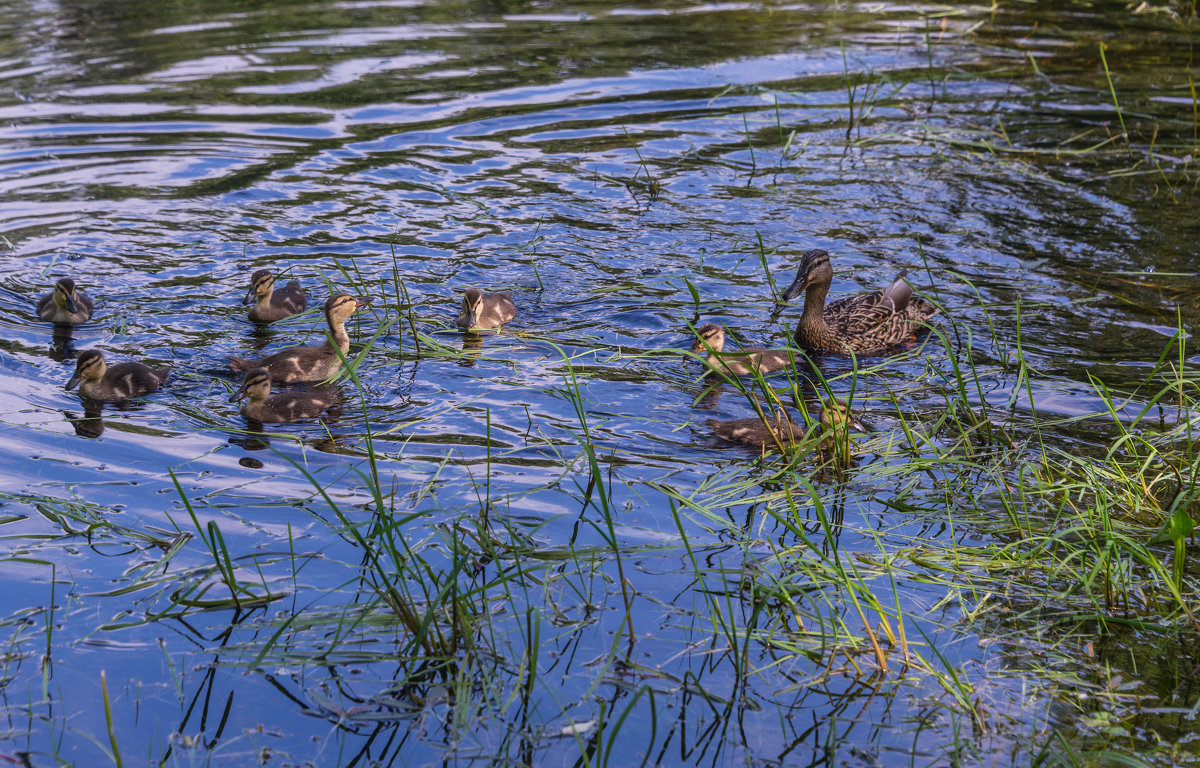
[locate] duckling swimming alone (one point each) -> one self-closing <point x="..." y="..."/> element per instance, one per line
<point x="312" y="363"/>
<point x="868" y="324"/>
<point x="486" y="310"/>
<point x="835" y="420"/>
<point x="285" y="406"/>
<point x="740" y="362"/>
<point x="118" y="382"/>
<point x="271" y="305"/>
<point x="64" y="304"/>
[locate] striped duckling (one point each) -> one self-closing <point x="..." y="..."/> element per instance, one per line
<point x="270" y="304"/>
<point x="711" y="337"/>
<point x="867" y="324"/>
<point x="285" y="406"/>
<point x="486" y="310"/>
<point x="312" y="363"/>
<point x="65" y="305"/>
<point x="118" y="382"/>
<point x="836" y="420"/>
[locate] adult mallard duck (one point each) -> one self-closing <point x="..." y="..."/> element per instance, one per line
<point x="117" y="382"/>
<point x="868" y="324"/>
<point x="486" y="310"/>
<point x="270" y="304"/>
<point x="285" y="406"/>
<point x="782" y="430"/>
<point x="316" y="362"/>
<point x="740" y="362"/>
<point x="65" y="304"/>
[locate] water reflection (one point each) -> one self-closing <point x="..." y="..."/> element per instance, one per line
<point x="62" y="343"/>
<point x="91" y="424"/>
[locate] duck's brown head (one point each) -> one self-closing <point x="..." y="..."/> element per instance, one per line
<point x="814" y="270"/>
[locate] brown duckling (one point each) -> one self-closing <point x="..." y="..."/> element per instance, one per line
<point x="835" y="419"/>
<point x="285" y="406"/>
<point x="486" y="310"/>
<point x="117" y="382"/>
<point x="271" y="305"/>
<point x="65" y="304"/>
<point x="740" y="362"/>
<point x="313" y="363"/>
<point x="868" y="324"/>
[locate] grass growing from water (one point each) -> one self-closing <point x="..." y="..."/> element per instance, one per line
<point x="798" y="581"/>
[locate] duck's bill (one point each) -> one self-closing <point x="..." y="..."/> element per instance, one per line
<point x="71" y="305"/>
<point x="237" y="395"/>
<point x="73" y="381"/>
<point x="251" y="297"/>
<point x="363" y="301"/>
<point x="795" y="289"/>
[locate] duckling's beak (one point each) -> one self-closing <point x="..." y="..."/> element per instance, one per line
<point x="796" y="288"/>
<point x="70" y="302"/>
<point x="74" y="380"/>
<point x="238" y="394"/>
<point x="857" y="425"/>
<point x="363" y="301"/>
<point x="473" y="319"/>
<point x="251" y="297"/>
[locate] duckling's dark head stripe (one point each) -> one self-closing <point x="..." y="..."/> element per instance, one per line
<point x="89" y="359"/>
<point x="257" y="378"/>
<point x="472" y="297"/>
<point x="341" y="303"/>
<point x="260" y="278"/>
<point x="66" y="285"/>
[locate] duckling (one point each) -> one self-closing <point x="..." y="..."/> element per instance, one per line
<point x="868" y="324"/>
<point x="121" y="381"/>
<point x="835" y="419"/>
<point x="285" y="406"/>
<point x="271" y="305"/>
<point x="486" y="310"/>
<point x="312" y="363"/>
<point x="740" y="362"/>
<point x="65" y="304"/>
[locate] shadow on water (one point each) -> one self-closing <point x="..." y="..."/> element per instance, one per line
<point x="525" y="546"/>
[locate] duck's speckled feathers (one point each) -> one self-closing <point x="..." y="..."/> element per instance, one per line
<point x="868" y="324"/>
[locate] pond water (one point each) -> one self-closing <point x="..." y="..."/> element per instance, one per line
<point x="526" y="547"/>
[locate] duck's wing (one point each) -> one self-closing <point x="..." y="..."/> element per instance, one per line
<point x="45" y="306"/>
<point x="84" y="304"/>
<point x="869" y="313"/>
<point x="290" y="297"/>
